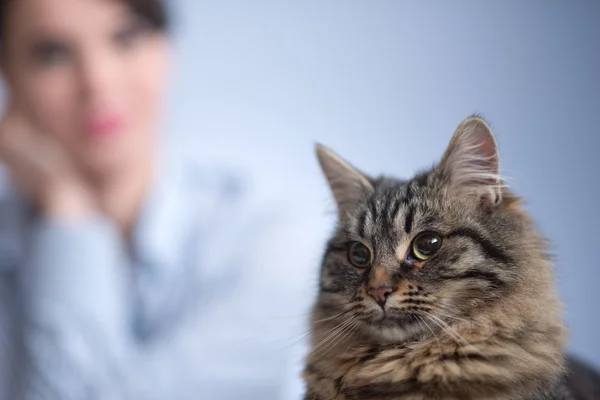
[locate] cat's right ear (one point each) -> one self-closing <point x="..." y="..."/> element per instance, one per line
<point x="348" y="185"/>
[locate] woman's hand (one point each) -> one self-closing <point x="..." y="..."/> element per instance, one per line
<point x="42" y="170"/>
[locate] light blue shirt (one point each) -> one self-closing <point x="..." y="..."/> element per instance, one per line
<point x="205" y="302"/>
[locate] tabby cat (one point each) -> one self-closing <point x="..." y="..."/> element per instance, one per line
<point x="439" y="287"/>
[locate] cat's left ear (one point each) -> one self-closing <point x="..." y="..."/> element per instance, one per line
<point x="471" y="164"/>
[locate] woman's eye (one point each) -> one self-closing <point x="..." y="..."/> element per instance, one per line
<point x="129" y="36"/>
<point x="359" y="255"/>
<point x="51" y="54"/>
<point x="425" y="245"/>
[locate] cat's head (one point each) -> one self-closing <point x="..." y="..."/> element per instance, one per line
<point x="409" y="256"/>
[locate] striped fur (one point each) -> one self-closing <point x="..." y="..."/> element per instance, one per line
<point x="478" y="320"/>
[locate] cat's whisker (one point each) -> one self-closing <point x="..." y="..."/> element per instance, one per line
<point x="453" y="332"/>
<point x="294" y="316"/>
<point x="341" y="336"/>
<point x="444" y="327"/>
<point x="333" y="335"/>
<point x="456" y="318"/>
<point x="334" y="332"/>
<point x="330" y="343"/>
<point x="433" y="333"/>
<point x="450" y="311"/>
<point x="333" y="317"/>
<point x="301" y="336"/>
<point x="354" y="338"/>
<point x="320" y="335"/>
<point x="319" y="322"/>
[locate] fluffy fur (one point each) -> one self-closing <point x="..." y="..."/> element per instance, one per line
<point x="480" y="319"/>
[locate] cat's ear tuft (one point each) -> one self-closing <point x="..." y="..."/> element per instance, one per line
<point x="471" y="164"/>
<point x="348" y="185"/>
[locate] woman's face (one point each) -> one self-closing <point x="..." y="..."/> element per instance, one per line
<point x="89" y="75"/>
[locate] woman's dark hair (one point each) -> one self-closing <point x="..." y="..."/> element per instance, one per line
<point x="152" y="12"/>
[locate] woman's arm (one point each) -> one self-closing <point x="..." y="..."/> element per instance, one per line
<point x="75" y="319"/>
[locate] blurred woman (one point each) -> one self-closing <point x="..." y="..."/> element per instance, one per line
<point x="123" y="274"/>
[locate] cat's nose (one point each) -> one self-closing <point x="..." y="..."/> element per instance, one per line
<point x="380" y="293"/>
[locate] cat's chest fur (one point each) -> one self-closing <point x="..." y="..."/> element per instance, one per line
<point x="490" y="367"/>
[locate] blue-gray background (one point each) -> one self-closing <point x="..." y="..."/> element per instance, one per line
<point x="385" y="82"/>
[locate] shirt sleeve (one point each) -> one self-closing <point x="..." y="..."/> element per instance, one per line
<point x="75" y="313"/>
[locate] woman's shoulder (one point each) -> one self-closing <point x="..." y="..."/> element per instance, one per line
<point x="240" y="188"/>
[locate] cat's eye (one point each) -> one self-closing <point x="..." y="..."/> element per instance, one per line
<point x="359" y="255"/>
<point x="426" y="245"/>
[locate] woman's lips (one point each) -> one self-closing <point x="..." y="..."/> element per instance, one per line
<point x="104" y="125"/>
